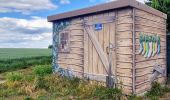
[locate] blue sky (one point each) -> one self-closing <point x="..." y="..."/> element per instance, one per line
<point x="23" y="23"/>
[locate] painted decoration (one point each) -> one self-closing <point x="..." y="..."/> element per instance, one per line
<point x="57" y="28"/>
<point x="149" y="45"/>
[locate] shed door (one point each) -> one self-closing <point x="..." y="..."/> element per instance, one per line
<point x="99" y="45"/>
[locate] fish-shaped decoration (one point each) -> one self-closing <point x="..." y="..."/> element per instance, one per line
<point x="159" y="44"/>
<point x="141" y="43"/>
<point x="149" y="45"/>
<point x="144" y="45"/>
<point x="153" y="45"/>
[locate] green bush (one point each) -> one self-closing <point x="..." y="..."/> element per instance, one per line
<point x="42" y="70"/>
<point x="14" y="76"/>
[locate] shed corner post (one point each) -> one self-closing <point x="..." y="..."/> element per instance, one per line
<point x="54" y="49"/>
<point x="134" y="54"/>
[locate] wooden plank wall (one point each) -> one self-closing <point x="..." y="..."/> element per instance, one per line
<point x="75" y="58"/>
<point x="124" y="49"/>
<point x="151" y="24"/>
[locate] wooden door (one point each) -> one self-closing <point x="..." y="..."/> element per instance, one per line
<point x="99" y="47"/>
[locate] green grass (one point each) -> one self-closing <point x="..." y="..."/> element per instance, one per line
<point x="15" y="53"/>
<point x="25" y="84"/>
<point x="53" y="87"/>
<point x="29" y="83"/>
<point x="17" y="58"/>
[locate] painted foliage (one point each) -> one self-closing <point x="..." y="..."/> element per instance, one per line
<point x="149" y="45"/>
<point x="58" y="27"/>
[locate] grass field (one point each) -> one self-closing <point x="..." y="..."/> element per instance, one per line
<point x="14" y="53"/>
<point x="17" y="58"/>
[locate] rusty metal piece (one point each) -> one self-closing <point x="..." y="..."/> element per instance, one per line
<point x="158" y="70"/>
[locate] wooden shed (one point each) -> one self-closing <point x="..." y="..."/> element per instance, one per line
<point x="121" y="42"/>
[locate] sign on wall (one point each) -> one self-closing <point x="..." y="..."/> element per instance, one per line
<point x="98" y="26"/>
<point x="149" y="45"/>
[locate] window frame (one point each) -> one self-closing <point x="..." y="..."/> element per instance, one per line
<point x="68" y="42"/>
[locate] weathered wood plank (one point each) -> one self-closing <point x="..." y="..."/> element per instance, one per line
<point x="125" y="27"/>
<point x="124" y="42"/>
<point x="112" y="40"/>
<point x="124" y="65"/>
<point x="86" y="51"/>
<point x="124" y="50"/>
<point x="149" y="16"/>
<point x="124" y="12"/>
<point x="121" y="57"/>
<point x="127" y="19"/>
<point x="95" y="54"/>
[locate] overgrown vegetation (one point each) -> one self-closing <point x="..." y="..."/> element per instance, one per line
<point x="157" y="91"/>
<point x="42" y="70"/>
<point x="14" y="64"/>
<point x="14" y="76"/>
<point x="13" y="59"/>
<point x="39" y="84"/>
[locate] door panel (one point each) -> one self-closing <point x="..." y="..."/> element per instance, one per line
<point x="96" y="42"/>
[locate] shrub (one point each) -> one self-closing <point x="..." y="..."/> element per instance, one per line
<point x="156" y="90"/>
<point x="28" y="98"/>
<point x="42" y="70"/>
<point x="102" y="92"/>
<point x="14" y="76"/>
<point x="39" y="83"/>
<point x="29" y="78"/>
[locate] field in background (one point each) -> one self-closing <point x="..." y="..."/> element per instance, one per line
<point x="17" y="58"/>
<point x="14" y="53"/>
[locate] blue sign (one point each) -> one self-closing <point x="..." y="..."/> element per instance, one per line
<point x="98" y="27"/>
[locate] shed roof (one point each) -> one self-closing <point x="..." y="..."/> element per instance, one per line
<point x="105" y="7"/>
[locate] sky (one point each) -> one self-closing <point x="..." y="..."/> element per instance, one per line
<point x="23" y="23"/>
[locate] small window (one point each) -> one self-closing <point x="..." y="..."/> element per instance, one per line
<point x="64" y="42"/>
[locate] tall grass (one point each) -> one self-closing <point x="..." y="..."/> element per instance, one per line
<point x="14" y="64"/>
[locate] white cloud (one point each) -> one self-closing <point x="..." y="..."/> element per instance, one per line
<point x="142" y="1"/>
<point x="33" y="33"/>
<point x="64" y="1"/>
<point x="25" y="6"/>
<point x="110" y="0"/>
